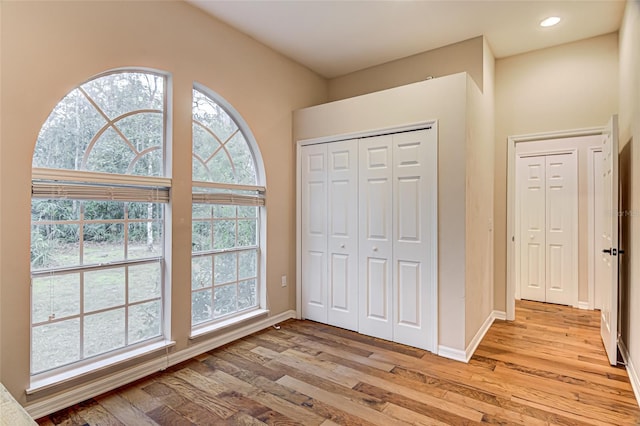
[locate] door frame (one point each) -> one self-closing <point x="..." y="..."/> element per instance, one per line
<point x="511" y="199"/>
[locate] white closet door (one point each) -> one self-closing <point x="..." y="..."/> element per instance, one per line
<point x="561" y="237"/>
<point x="314" y="232"/>
<point x="414" y="236"/>
<point x="531" y="212"/>
<point x="343" y="234"/>
<point x="376" y="241"/>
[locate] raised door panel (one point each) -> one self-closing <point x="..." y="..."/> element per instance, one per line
<point x="342" y="214"/>
<point x="375" y="247"/>
<point x="531" y="224"/>
<point x="561" y="218"/>
<point x="415" y="237"/>
<point x="314" y="255"/>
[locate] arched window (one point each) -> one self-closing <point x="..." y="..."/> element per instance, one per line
<point x="227" y="207"/>
<point x="97" y="216"/>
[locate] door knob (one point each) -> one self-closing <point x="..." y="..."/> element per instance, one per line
<point x="531" y="237"/>
<point x="342" y="245"/>
<point x="607" y="251"/>
<point x="375" y="248"/>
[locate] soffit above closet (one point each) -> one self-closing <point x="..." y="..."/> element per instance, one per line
<point x="334" y="38"/>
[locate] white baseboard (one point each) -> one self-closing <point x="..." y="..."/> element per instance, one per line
<point x="51" y="404"/>
<point x="499" y="315"/>
<point x="465" y="356"/>
<point x="631" y="370"/>
<point x="451" y="353"/>
<point x="584" y="305"/>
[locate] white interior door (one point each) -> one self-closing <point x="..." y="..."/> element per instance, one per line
<point x="375" y="237"/>
<point x="599" y="221"/>
<point x="561" y="228"/>
<point x="547" y="208"/>
<point x="531" y="226"/>
<point x="342" y="217"/>
<point x="314" y="232"/>
<point x="415" y="164"/>
<point x="609" y="241"/>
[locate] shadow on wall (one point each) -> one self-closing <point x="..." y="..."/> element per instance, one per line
<point x="624" y="224"/>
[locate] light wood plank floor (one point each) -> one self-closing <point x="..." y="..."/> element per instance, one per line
<point x="547" y="367"/>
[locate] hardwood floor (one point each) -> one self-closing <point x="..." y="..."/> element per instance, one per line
<point x="547" y="367"/>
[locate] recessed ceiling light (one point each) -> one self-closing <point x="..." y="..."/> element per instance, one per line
<point x="550" y="21"/>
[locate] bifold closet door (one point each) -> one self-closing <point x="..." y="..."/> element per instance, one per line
<point x="415" y="227"/>
<point x="375" y="291"/>
<point x="547" y="205"/>
<point x="398" y="237"/>
<point x="314" y="232"/>
<point x="342" y="215"/>
<point x="531" y="208"/>
<point x="329" y="213"/>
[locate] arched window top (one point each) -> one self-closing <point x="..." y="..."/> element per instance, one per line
<point x="221" y="152"/>
<point x="112" y="124"/>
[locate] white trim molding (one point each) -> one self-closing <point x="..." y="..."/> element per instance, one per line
<point x="465" y="356"/>
<point x="109" y="382"/>
<point x="499" y="315"/>
<point x="451" y="353"/>
<point x="631" y="370"/>
<point x="585" y="306"/>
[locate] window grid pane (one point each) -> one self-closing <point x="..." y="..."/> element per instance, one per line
<point x="224" y="276"/>
<point x="77" y="295"/>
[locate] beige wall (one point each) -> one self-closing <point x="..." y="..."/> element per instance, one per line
<point x="565" y="87"/>
<point x="48" y="48"/>
<point x="479" y="198"/>
<point x="629" y="120"/>
<point x="465" y="56"/>
<point x="443" y="99"/>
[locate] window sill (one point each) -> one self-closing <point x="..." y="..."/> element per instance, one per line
<point x="203" y="330"/>
<point x="48" y="381"/>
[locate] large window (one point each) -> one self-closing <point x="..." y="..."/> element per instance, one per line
<point x="227" y="202"/>
<point x="98" y="196"/>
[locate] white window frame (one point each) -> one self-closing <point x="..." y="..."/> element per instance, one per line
<point x="239" y="195"/>
<point x="70" y="184"/>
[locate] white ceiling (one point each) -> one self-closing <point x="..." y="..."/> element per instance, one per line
<point x="334" y="38"/>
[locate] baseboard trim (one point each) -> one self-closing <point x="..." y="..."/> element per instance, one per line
<point x="499" y="315"/>
<point x="473" y="344"/>
<point x="584" y="305"/>
<point x="465" y="356"/>
<point x="631" y="370"/>
<point x="109" y="382"/>
<point x="451" y="353"/>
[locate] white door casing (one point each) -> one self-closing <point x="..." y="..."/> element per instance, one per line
<point x="342" y="216"/>
<point x="314" y="232"/>
<point x="375" y="237"/>
<point x="414" y="231"/>
<point x="519" y="145"/>
<point x="609" y="241"/>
